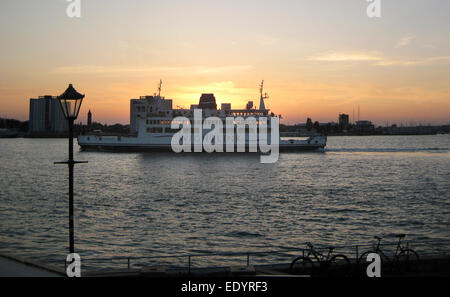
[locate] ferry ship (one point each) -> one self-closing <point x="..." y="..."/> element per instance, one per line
<point x="151" y="118"/>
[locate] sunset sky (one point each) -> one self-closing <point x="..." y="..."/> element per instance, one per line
<point x="318" y="58"/>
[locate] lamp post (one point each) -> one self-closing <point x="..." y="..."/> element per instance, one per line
<point x="70" y="102"/>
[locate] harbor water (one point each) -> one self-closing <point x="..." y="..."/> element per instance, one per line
<point x="152" y="204"/>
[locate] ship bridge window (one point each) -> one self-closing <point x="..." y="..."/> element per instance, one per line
<point x="155" y="122"/>
<point x="154" y="130"/>
<point x="170" y="130"/>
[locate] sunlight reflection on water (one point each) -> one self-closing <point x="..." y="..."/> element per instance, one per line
<point x="147" y="204"/>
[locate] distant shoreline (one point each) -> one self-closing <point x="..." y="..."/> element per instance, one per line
<point x="284" y="136"/>
<point x="13" y="128"/>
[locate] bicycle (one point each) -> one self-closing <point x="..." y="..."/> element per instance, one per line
<point x="403" y="260"/>
<point x="329" y="265"/>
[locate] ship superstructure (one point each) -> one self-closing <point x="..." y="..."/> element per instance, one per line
<point x="151" y="120"/>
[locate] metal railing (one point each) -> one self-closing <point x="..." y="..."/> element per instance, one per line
<point x="278" y="256"/>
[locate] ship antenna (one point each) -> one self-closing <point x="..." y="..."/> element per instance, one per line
<point x="159" y="88"/>
<point x="263" y="96"/>
<point x="261" y="88"/>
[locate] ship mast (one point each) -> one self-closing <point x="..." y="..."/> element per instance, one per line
<point x="263" y="96"/>
<point x="159" y="88"/>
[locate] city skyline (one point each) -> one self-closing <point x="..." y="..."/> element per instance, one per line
<point x="318" y="60"/>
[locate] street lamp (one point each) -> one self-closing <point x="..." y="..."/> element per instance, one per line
<point x="70" y="102"/>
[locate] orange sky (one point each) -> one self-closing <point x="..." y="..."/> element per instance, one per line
<point x="317" y="60"/>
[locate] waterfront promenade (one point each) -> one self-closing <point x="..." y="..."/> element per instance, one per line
<point x="15" y="267"/>
<point x="430" y="266"/>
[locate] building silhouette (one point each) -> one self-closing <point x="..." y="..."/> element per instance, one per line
<point x="46" y="116"/>
<point x="89" y="119"/>
<point x="207" y="101"/>
<point x="364" y="126"/>
<point x="344" y="121"/>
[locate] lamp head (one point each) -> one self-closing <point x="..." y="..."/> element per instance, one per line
<point x="70" y="102"/>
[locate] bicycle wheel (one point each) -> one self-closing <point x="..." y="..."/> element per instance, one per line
<point x="407" y="261"/>
<point x="362" y="263"/>
<point x="363" y="258"/>
<point x="339" y="266"/>
<point x="301" y="265"/>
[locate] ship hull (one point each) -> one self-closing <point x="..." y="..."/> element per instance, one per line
<point x="96" y="143"/>
<point x="147" y="147"/>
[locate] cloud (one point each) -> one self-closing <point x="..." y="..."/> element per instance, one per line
<point x="267" y="41"/>
<point x="404" y="41"/>
<point x="191" y="70"/>
<point x="228" y="87"/>
<point x="376" y="59"/>
<point x="345" y="56"/>
<point x="188" y="45"/>
<point x="411" y="62"/>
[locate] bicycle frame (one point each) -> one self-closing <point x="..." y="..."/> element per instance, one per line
<point x="398" y="249"/>
<point x="318" y="255"/>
